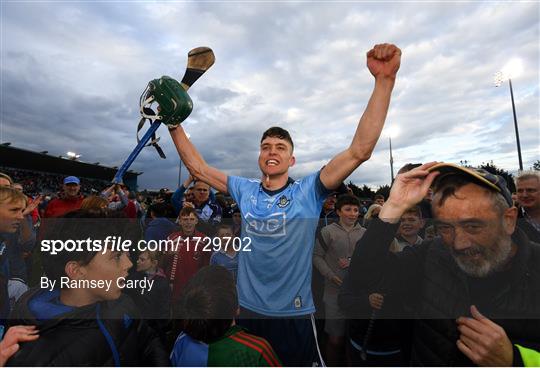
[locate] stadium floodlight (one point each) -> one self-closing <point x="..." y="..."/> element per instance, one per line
<point x="391" y="132"/>
<point x="512" y="69"/>
<point x="72" y="155"/>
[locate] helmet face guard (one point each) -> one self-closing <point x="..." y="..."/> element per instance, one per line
<point x="174" y="104"/>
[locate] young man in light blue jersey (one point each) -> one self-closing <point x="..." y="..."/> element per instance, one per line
<point x="280" y="216"/>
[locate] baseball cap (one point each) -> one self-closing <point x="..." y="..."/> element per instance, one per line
<point x="478" y="176"/>
<point x="71" y="180"/>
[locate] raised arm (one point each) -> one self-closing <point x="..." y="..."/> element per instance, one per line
<point x="178" y="195"/>
<point x="383" y="62"/>
<point x="195" y="163"/>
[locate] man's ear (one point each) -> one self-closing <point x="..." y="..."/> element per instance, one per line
<point x="73" y="270"/>
<point x="292" y="161"/>
<point x="510" y="219"/>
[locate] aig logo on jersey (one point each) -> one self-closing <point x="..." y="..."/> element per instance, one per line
<point x="283" y="201"/>
<point x="272" y="225"/>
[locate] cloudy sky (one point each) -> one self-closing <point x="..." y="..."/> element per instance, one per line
<point x="72" y="73"/>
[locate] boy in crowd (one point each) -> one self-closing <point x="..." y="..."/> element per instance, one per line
<point x="378" y="199"/>
<point x="227" y="256"/>
<point x="333" y="250"/>
<point x="410" y="225"/>
<point x="80" y="324"/>
<point x="188" y="258"/>
<point x="210" y="337"/>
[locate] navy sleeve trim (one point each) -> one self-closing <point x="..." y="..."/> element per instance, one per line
<point x="319" y="186"/>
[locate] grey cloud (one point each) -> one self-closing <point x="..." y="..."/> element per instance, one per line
<point x="215" y="96"/>
<point x="76" y="70"/>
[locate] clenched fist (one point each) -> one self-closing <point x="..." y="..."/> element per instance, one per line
<point x="383" y="60"/>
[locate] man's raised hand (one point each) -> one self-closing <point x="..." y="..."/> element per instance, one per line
<point x="408" y="189"/>
<point x="383" y="60"/>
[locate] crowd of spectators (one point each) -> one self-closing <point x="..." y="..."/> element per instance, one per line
<point x="193" y="212"/>
<point x="48" y="184"/>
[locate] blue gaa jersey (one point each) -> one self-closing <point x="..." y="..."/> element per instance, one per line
<point x="274" y="278"/>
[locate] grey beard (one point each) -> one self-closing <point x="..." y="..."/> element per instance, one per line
<point x="493" y="260"/>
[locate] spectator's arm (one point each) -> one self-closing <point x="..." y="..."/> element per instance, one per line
<point x="176" y="199"/>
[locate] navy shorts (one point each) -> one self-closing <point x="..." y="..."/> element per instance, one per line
<point x="292" y="338"/>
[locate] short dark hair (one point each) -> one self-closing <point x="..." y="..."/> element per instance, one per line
<point x="277" y="132"/>
<point x="208" y="303"/>
<point x="186" y="211"/>
<point x="159" y="209"/>
<point x="347" y="199"/>
<point x="414" y="210"/>
<point x="379" y="196"/>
